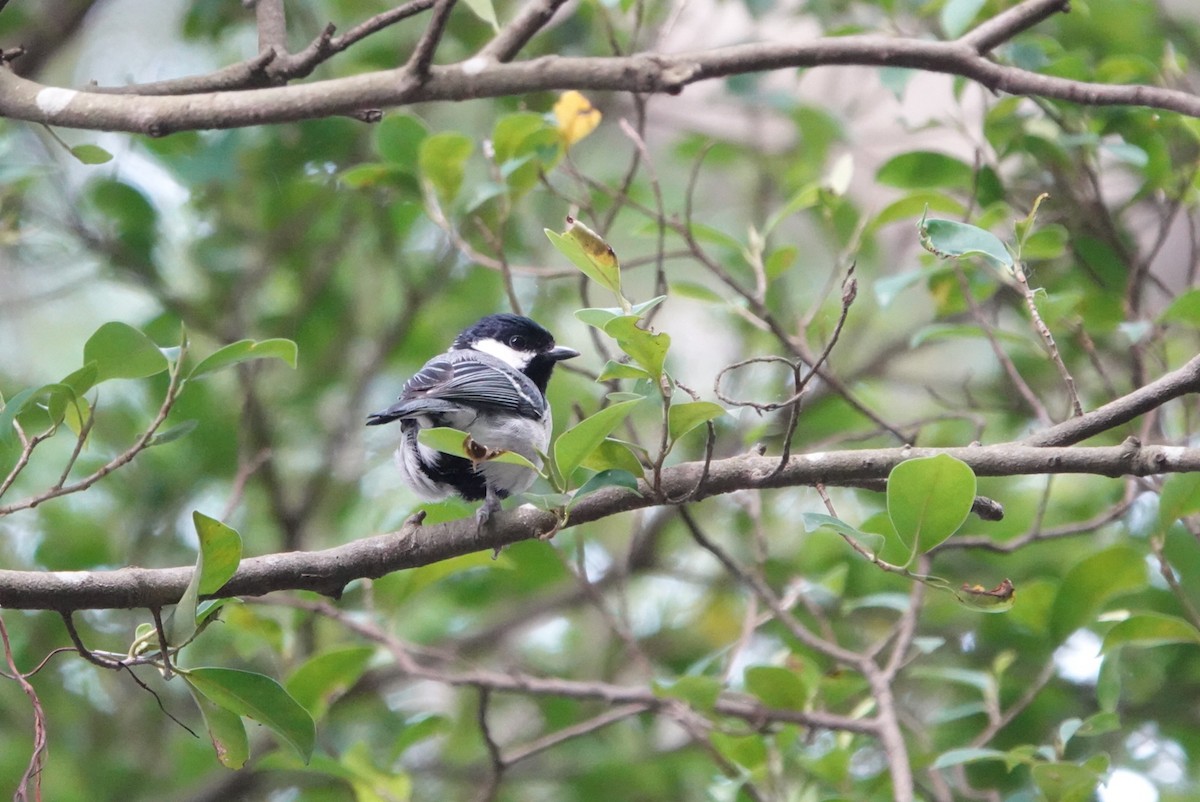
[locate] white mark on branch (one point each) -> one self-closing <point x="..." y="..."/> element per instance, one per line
<point x="476" y="65"/>
<point x="53" y="99"/>
<point x="1172" y="454"/>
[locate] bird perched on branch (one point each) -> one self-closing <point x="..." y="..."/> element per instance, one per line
<point x="491" y="384"/>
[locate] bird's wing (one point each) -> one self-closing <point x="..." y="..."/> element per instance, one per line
<point x="466" y="379"/>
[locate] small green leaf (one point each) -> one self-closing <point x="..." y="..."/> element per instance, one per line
<point x="924" y="170"/>
<point x="682" y="418"/>
<point x="454" y="442"/>
<point x="442" y="160"/>
<point x="816" y="520"/>
<point x="324" y="677"/>
<point x="243" y="351"/>
<point x="1108" y="683"/>
<point x="613" y="477"/>
<point x="1149" y="629"/>
<point x="1092" y="582"/>
<point x="777" y="687"/>
<point x="91" y="154"/>
<point x="122" y="352"/>
<point x="225" y="730"/>
<point x="958" y="757"/>
<point x="12" y="408"/>
<point x="485" y="11"/>
<point x="928" y="499"/>
<point x="612" y="453"/>
<point x="647" y="348"/>
<point x="1065" y="782"/>
<point x="174" y="433"/>
<point x="957" y="16"/>
<point x="698" y="691"/>
<point x="220" y="550"/>
<point x="577" y="443"/>
<point x="1180" y="498"/>
<point x="950" y="239"/>
<point x="398" y="140"/>
<point x="1185" y="309"/>
<point x="257" y="697"/>
<point x="590" y="253"/>
<point x="620" y="370"/>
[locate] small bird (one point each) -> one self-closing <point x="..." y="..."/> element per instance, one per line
<point x="492" y="385"/>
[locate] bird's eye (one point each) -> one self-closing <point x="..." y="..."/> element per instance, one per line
<point x="516" y="342"/>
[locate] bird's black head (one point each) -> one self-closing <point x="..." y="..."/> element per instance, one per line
<point x="518" y="341"/>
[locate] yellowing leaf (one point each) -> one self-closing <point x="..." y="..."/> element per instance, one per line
<point x="576" y="116"/>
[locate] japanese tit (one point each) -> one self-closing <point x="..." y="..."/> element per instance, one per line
<point x="492" y="385"/>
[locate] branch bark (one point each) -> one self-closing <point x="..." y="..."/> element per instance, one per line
<point x="490" y="75"/>
<point x="330" y="570"/>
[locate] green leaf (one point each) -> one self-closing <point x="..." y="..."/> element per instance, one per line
<point x="216" y="561"/>
<point x="245" y="350"/>
<point x="613" y="477"/>
<point x="780" y="261"/>
<point x="485" y="11"/>
<point x="174" y="433"/>
<point x="442" y="159"/>
<point x="257" y="697"/>
<point x="928" y="499"/>
<point x="122" y="352"/>
<point x="455" y="442"/>
<point x="1065" y="782"/>
<point x="1149" y="629"/>
<point x="225" y="730"/>
<point x="220" y="551"/>
<point x="599" y="317"/>
<point x="1180" y="498"/>
<point x="588" y="251"/>
<point x="613" y="453"/>
<point x="12" y="408"/>
<point x="817" y="520"/>
<point x="749" y="751"/>
<point x="958" y="757"/>
<point x="621" y="370"/>
<point x="1108" y="684"/>
<point x="326" y="676"/>
<point x="91" y="154"/>
<point x="398" y="139"/>
<point x="1185" y="310"/>
<point x="950" y="239"/>
<point x="957" y="16"/>
<point x="682" y="418"/>
<point x="647" y="348"/>
<point x="577" y="443"/>
<point x="777" y="687"/>
<point x="83" y="379"/>
<point x="1092" y="582"/>
<point x="699" y="692"/>
<point x="925" y="169"/>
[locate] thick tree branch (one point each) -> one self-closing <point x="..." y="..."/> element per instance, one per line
<point x="330" y="570"/>
<point x="488" y="76"/>
<point x="1115" y="413"/>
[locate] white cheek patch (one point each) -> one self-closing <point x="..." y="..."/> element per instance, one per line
<point x="515" y="359"/>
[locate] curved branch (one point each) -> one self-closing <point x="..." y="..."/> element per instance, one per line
<point x="330" y="570"/>
<point x="484" y="76"/>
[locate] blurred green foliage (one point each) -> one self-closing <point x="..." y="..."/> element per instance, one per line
<point x="369" y="247"/>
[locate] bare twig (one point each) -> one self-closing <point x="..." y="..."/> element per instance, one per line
<point x="33" y="770"/>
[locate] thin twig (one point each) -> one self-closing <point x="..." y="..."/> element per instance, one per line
<point x="33" y="769"/>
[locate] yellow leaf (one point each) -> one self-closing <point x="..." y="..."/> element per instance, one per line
<point x="576" y="116"/>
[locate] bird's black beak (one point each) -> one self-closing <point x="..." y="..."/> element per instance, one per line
<point x="560" y="352"/>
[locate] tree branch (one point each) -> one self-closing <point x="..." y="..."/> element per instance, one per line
<point x="330" y="570"/>
<point x="480" y="77"/>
